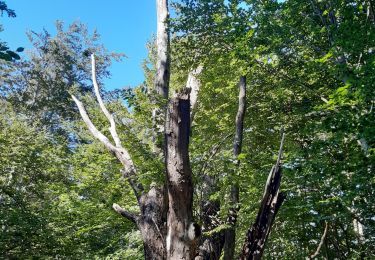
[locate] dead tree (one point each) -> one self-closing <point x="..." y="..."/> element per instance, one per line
<point x="165" y="217"/>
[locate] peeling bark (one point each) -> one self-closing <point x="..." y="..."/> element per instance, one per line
<point x="162" y="76"/>
<point x="194" y="84"/>
<point x="165" y="217"/>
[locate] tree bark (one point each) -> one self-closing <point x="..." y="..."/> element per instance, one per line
<point x="230" y="233"/>
<point x="257" y="235"/>
<point x="181" y="229"/>
<point x="152" y="223"/>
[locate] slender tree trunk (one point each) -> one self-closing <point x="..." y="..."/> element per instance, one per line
<point x="181" y="229"/>
<point x="230" y="233"/>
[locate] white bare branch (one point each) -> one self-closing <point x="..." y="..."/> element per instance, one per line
<point x="121" y="153"/>
<point x="95" y="132"/>
<point x="112" y="128"/>
<point x="194" y="84"/>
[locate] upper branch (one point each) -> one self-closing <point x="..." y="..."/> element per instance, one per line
<point x="119" y="151"/>
<point x="112" y="128"/>
<point x="193" y="83"/>
<point x="163" y="48"/>
<point x="95" y="132"/>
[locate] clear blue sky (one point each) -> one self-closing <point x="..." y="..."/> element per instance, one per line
<point x="124" y="26"/>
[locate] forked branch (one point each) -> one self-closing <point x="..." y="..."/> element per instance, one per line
<point x="94" y="131"/>
<point x="121" y="153"/>
<point x="112" y="128"/>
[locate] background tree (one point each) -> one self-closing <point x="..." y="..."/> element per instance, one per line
<point x="5" y="52"/>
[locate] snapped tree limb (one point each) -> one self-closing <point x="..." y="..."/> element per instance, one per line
<point x="126" y="214"/>
<point x="272" y="199"/>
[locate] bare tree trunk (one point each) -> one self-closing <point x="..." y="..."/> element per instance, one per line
<point x="257" y="235"/>
<point x="181" y="234"/>
<point x="163" y="46"/>
<point x="162" y="77"/>
<point x="230" y="233"/>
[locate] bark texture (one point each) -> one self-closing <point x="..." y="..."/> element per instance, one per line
<point x="165" y="217"/>
<point x="230" y="233"/>
<point x="272" y="199"/>
<point x="181" y="230"/>
<point x="152" y="223"/>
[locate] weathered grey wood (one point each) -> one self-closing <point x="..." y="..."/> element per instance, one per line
<point x="112" y="128"/>
<point x="194" y="84"/>
<point x="126" y="214"/>
<point x="322" y="239"/>
<point x="163" y="46"/>
<point x="118" y="150"/>
<point x="153" y="208"/>
<point x="160" y="92"/>
<point x="165" y="217"/>
<point x="152" y="223"/>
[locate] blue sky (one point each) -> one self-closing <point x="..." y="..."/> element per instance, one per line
<point x="124" y="26"/>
